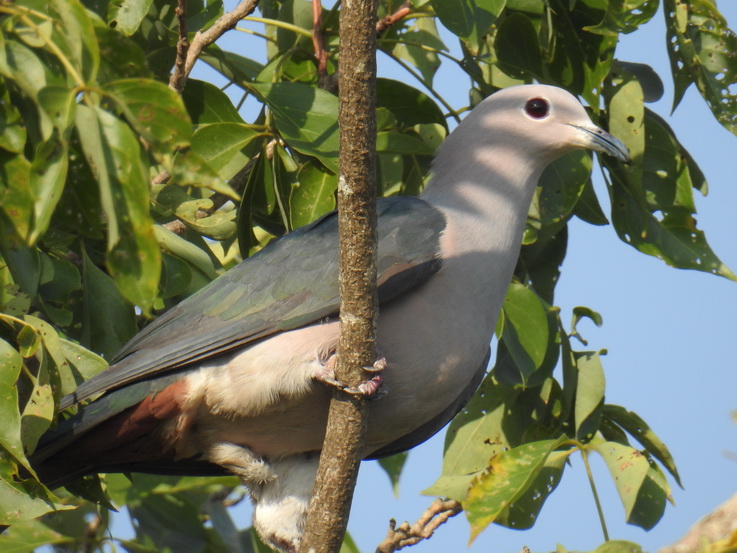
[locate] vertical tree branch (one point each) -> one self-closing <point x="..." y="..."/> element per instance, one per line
<point x="341" y="453"/>
<point x="178" y="77"/>
<point x="318" y="42"/>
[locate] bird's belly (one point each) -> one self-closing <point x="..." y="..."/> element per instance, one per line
<point x="431" y="359"/>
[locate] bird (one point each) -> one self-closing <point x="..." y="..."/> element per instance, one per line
<point x="237" y="377"/>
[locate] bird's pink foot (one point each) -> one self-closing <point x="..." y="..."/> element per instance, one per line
<point x="368" y="388"/>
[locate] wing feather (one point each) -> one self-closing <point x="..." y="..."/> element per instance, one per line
<point x="291" y="283"/>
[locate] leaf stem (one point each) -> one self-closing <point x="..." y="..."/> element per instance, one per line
<point x="54" y="49"/>
<point x="282" y="24"/>
<point x="589" y="474"/>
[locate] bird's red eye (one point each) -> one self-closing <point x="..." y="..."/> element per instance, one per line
<point x="537" y="108"/>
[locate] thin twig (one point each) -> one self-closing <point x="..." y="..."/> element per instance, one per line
<point x="435" y="515"/>
<point x="321" y="55"/>
<point x="390" y="20"/>
<point x="203" y="39"/>
<point x="178" y="78"/>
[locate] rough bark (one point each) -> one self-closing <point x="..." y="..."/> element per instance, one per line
<point x="328" y="516"/>
<point x="405" y="535"/>
<point x="718" y="526"/>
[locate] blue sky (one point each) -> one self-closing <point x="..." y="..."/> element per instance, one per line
<point x="670" y="335"/>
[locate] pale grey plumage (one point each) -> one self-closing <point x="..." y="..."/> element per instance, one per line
<point x="436" y="337"/>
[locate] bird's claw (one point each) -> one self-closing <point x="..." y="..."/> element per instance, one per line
<point x="378" y="366"/>
<point x="370" y="388"/>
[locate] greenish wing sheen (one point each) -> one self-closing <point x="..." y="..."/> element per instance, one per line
<point x="291" y="283"/>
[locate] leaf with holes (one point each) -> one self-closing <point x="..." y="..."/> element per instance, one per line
<point x="701" y="48"/>
<point x="625" y="16"/>
<point x="509" y="476"/>
<point x="656" y="214"/>
<point x="639" y="429"/>
<point x="480" y="431"/>
<point x="642" y="489"/>
<point x="523" y="512"/>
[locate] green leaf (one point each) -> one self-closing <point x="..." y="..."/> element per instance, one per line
<point x="349" y="545"/>
<point x="121" y="58"/>
<point x="16" y="205"/>
<point x="625" y="16"/>
<point x="517" y="47"/>
<point x="30" y="535"/>
<point x="224" y="525"/>
<point x="393" y="465"/>
<point x="486" y="427"/>
<point x="522" y="513"/>
<point x="639" y="429"/>
<point x="413" y="46"/>
<point x="156" y="112"/>
<point x="172" y="521"/>
<point x="590" y="387"/>
<point x="401" y="143"/>
<point x="618" y="546"/>
<point x="79" y="41"/>
<point x="526" y="330"/>
<point x="639" y="485"/>
<point x="206" y="103"/>
<point x="52" y="349"/>
<point x="509" y="476"/>
<point x="306" y="117"/>
<point x="701" y="49"/>
<point x="47" y="178"/>
<point x="580" y="313"/>
<point x="408" y="105"/>
<point x="12" y="128"/>
<point x="125" y="16"/>
<point x="561" y="185"/>
<point x="11" y="363"/>
<point x="232" y="66"/>
<point x="656" y="215"/>
<point x="108" y="320"/>
<point x="468" y="19"/>
<point x="313" y="195"/>
<point x="22" y="500"/>
<point x="651" y="83"/>
<point x="626" y="110"/>
<point x="588" y="208"/>
<point x="218" y="144"/>
<point x="84" y="363"/>
<point x="113" y="153"/>
<point x="183" y="249"/>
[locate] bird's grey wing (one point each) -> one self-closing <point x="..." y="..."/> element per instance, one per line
<point x="291" y="283"/>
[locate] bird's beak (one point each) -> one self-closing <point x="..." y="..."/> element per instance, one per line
<point x="594" y="138"/>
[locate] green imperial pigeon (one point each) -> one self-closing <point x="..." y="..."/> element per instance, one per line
<point x="235" y="378"/>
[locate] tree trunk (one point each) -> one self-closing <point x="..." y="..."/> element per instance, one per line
<point x="336" y="478"/>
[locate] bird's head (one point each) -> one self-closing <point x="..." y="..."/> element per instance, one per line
<point x="542" y="119"/>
